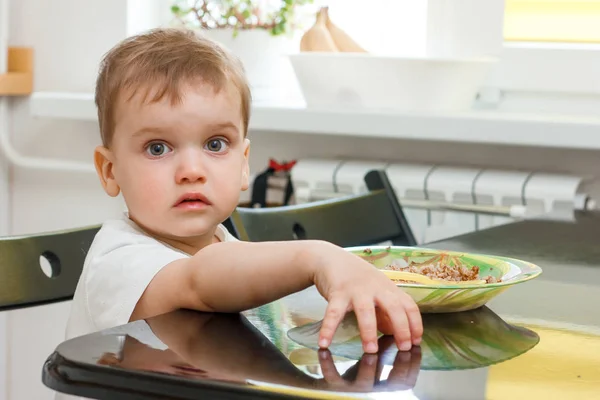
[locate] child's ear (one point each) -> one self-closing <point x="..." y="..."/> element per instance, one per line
<point x="103" y="160"/>
<point x="246" y="165"/>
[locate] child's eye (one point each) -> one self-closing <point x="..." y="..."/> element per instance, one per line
<point x="157" y="149"/>
<point x="216" y="145"/>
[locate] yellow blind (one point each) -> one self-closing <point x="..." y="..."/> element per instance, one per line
<point x="552" y="21"/>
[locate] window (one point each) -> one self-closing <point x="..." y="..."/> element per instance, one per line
<point x="551" y="47"/>
<point x="552" y="21"/>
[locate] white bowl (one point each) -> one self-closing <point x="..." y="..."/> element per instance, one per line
<point x="366" y="81"/>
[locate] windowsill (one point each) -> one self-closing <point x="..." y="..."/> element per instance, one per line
<point x="484" y="127"/>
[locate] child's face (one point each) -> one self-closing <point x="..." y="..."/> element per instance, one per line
<point x="162" y="154"/>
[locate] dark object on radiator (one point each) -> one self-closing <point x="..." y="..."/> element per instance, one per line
<point x="275" y="176"/>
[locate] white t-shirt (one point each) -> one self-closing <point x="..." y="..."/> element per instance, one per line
<point x="120" y="264"/>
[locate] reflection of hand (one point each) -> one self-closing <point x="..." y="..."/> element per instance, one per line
<point x="365" y="375"/>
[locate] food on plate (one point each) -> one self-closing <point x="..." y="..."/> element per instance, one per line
<point x="442" y="281"/>
<point x="438" y="273"/>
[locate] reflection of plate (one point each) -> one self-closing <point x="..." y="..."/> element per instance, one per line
<point x="452" y="297"/>
<point x="470" y="339"/>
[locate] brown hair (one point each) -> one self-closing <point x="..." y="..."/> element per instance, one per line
<point x="160" y="61"/>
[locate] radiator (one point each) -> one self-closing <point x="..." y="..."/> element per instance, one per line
<point x="443" y="201"/>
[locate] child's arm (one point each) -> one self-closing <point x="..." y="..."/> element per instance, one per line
<point x="234" y="276"/>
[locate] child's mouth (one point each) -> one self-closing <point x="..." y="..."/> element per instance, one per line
<point x="192" y="201"/>
<point x="191" y="204"/>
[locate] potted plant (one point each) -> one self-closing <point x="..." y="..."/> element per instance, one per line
<point x="274" y="16"/>
<point x="259" y="32"/>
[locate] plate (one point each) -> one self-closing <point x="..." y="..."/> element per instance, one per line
<point x="467" y="340"/>
<point x="440" y="298"/>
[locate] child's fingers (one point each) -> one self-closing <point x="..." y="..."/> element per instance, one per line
<point x="364" y="308"/>
<point x="394" y="305"/>
<point x="413" y="315"/>
<point x="335" y="312"/>
<point x="415" y="320"/>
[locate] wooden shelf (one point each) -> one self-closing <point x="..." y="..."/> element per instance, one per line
<point x="18" y="81"/>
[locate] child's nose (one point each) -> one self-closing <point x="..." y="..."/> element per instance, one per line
<point x="190" y="168"/>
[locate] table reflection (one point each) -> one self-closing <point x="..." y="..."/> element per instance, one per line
<point x="229" y="347"/>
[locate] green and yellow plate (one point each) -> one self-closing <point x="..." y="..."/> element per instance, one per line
<point x="451" y="297"/>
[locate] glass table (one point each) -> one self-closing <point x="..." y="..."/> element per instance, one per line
<point x="539" y="339"/>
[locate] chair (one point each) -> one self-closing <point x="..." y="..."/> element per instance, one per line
<point x="365" y="219"/>
<point x="42" y="269"/>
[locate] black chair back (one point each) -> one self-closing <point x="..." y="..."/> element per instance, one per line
<point x="23" y="281"/>
<point x="365" y="219"/>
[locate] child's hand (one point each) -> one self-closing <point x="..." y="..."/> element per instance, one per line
<point x="351" y="283"/>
